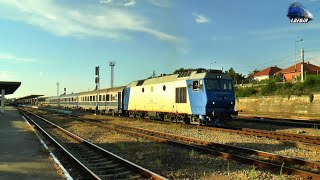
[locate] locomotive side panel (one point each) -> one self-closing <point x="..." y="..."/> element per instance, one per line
<point x="160" y="97"/>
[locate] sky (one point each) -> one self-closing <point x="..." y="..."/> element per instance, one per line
<point x="48" y="41"/>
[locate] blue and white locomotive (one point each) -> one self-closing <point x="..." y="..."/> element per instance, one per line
<point x="201" y="97"/>
<point x="197" y="97"/>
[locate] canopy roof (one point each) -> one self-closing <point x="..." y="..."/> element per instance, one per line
<point x="29" y="97"/>
<point x="9" y="87"/>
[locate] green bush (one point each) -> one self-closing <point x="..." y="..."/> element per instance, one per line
<point x="245" y="92"/>
<point x="269" y="88"/>
<point x="272" y="87"/>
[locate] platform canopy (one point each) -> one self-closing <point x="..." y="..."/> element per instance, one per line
<point x="29" y="97"/>
<point x="9" y="87"/>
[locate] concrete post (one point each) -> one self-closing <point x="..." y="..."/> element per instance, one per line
<point x="2" y="100"/>
<point x="302" y="63"/>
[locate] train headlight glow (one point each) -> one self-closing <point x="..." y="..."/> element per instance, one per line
<point x="231" y="102"/>
<point x="213" y="102"/>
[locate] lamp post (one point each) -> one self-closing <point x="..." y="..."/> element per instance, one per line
<point x="58" y="93"/>
<point x="295" y="54"/>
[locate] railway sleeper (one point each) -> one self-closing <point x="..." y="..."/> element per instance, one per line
<point x="117" y="175"/>
<point x="99" y="164"/>
<point x="115" y="170"/>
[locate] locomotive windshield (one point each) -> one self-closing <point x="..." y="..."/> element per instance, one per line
<point x="219" y="84"/>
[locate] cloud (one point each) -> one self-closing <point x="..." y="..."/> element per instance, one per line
<point x="13" y="58"/>
<point x="92" y="21"/>
<point x="222" y="38"/>
<point x="201" y="18"/>
<point x="8" y="76"/>
<point x="161" y="3"/>
<point x="182" y="50"/>
<point x="130" y="3"/>
<point x="105" y="1"/>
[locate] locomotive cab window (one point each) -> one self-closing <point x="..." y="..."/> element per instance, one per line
<point x="195" y="85"/>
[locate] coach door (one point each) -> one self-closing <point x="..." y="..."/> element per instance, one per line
<point x="119" y="102"/>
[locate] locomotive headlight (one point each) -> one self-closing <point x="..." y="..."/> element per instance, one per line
<point x="213" y="102"/>
<point x="231" y="102"/>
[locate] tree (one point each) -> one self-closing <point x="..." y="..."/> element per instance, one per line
<point x="250" y="75"/>
<point x="237" y="77"/>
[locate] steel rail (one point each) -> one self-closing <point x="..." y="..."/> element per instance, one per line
<point x="83" y="168"/>
<point x="145" y="173"/>
<point x="208" y="148"/>
<point x="256" y="132"/>
<point x="282" y="122"/>
<point x="268" y="134"/>
<point x="221" y="151"/>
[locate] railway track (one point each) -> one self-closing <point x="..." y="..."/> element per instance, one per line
<point x="314" y="140"/>
<point x="299" y="140"/>
<point x="283" y="122"/>
<point x="84" y="159"/>
<point x="291" y="166"/>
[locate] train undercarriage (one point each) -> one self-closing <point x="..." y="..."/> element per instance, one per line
<point x="218" y="119"/>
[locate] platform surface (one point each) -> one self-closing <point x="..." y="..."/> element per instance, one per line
<point x="22" y="156"/>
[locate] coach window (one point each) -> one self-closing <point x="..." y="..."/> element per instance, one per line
<point x="108" y="97"/>
<point x="99" y="97"/>
<point x="195" y="85"/>
<point x="90" y="98"/>
<point x="93" y="98"/>
<point x="164" y="87"/>
<point x="142" y="89"/>
<point x="104" y="98"/>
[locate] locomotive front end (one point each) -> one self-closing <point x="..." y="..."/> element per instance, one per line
<point x="220" y="98"/>
<point x="212" y="97"/>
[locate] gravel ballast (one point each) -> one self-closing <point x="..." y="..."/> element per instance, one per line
<point x="167" y="160"/>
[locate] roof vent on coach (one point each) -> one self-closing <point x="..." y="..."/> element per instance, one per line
<point x="184" y="74"/>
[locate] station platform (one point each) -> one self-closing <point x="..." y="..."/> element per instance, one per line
<point x="22" y="156"/>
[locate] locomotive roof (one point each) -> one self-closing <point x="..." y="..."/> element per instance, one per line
<point x="210" y="74"/>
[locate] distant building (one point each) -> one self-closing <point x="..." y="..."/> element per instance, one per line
<point x="293" y="72"/>
<point x="266" y="73"/>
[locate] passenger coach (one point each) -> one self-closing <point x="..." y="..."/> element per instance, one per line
<point x="109" y="100"/>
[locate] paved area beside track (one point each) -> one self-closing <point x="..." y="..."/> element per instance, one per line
<point x="22" y="156"/>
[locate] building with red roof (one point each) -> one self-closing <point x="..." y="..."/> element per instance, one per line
<point x="266" y="73"/>
<point x="293" y="72"/>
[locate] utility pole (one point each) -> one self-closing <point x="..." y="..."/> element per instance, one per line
<point x="302" y="65"/>
<point x="97" y="81"/>
<point x="295" y="49"/>
<point x="58" y="93"/>
<point x="112" y="64"/>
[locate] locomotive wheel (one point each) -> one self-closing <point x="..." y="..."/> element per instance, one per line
<point x="186" y="120"/>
